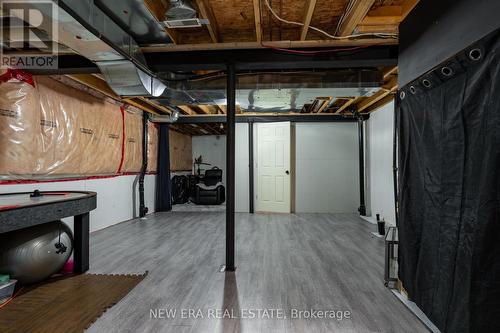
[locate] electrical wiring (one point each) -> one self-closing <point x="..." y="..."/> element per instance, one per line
<point x="380" y="35"/>
<point x="345" y="13"/>
<point x="309" y="53"/>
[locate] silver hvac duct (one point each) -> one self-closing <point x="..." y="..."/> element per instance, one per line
<point x="172" y="118"/>
<point x="180" y="10"/>
<point x="127" y="80"/>
<point x="87" y="30"/>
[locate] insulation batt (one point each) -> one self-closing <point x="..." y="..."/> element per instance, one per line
<point x="152" y="148"/>
<point x="50" y="130"/>
<point x="132" y="161"/>
<point x="19" y="128"/>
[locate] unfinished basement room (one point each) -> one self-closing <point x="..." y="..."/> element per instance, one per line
<point x="249" y="166"/>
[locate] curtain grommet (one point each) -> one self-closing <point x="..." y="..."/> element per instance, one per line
<point x="475" y="54"/>
<point x="402" y="95"/>
<point x="413" y="90"/>
<point x="447" y="71"/>
<point x="426" y="83"/>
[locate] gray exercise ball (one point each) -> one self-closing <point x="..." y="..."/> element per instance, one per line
<point x="33" y="254"/>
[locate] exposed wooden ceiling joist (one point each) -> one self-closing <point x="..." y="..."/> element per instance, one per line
<point x="158" y="9"/>
<point x="387" y="89"/>
<point x="96" y="83"/>
<point x="355" y="16"/>
<point x="380" y="103"/>
<point x="155" y="105"/>
<point x="267" y="44"/>
<point x="408" y="6"/>
<point x="140" y="104"/>
<point x="186" y="110"/>
<point x="371" y="29"/>
<point x="258" y="25"/>
<point x="307" y="20"/>
<point x="325" y="101"/>
<point x="223" y="108"/>
<point x="346" y="104"/>
<point x="390" y="71"/>
<point x="383" y="18"/>
<point x="204" y="108"/>
<point x="206" y="12"/>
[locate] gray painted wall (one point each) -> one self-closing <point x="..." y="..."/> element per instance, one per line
<point x="213" y="150"/>
<point x="327" y="178"/>
<point x="114" y="197"/>
<point x="379" y="149"/>
<point x="326" y="165"/>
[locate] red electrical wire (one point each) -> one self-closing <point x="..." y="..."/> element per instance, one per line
<point x="122" y="110"/>
<point x="309" y="53"/>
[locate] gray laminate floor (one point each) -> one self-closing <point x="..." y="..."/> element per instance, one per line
<point x="285" y="264"/>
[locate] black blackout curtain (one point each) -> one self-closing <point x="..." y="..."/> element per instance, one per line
<point x="163" y="186"/>
<point x="449" y="190"/>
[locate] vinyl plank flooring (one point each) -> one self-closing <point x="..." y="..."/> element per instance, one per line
<point x="284" y="262"/>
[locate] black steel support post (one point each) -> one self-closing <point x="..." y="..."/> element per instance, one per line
<point x="250" y="168"/>
<point x="395" y="160"/>
<point x="361" y="138"/>
<point x="230" y="165"/>
<point x="143" y="210"/>
<point x="81" y="243"/>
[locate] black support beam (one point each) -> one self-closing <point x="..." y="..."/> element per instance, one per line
<point x="69" y="64"/>
<point x="266" y="118"/>
<point x="262" y="59"/>
<point x="361" y="138"/>
<point x="250" y="168"/>
<point x="230" y="166"/>
<point x="245" y="60"/>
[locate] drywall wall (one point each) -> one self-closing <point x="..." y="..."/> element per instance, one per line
<point x="242" y="160"/>
<point x="379" y="150"/>
<point x="213" y="150"/>
<point x="326" y="168"/>
<point x="114" y="196"/>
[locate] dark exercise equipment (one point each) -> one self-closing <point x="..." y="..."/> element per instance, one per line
<point x="20" y="211"/>
<point x="210" y="191"/>
<point x="33" y="254"/>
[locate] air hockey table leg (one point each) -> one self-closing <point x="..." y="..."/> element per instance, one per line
<point x="81" y="245"/>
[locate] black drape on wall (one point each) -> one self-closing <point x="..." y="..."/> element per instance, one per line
<point x="449" y="216"/>
<point x="163" y="184"/>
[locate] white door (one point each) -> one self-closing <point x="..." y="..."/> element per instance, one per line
<point x="273" y="167"/>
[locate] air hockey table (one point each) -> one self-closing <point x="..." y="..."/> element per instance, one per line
<point x="23" y="210"/>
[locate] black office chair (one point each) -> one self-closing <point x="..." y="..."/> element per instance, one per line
<point x="210" y="190"/>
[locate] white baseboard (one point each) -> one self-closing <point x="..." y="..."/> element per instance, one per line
<point x="369" y="219"/>
<point x="376" y="234"/>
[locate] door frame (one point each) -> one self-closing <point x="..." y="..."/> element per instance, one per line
<point x="255" y="143"/>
